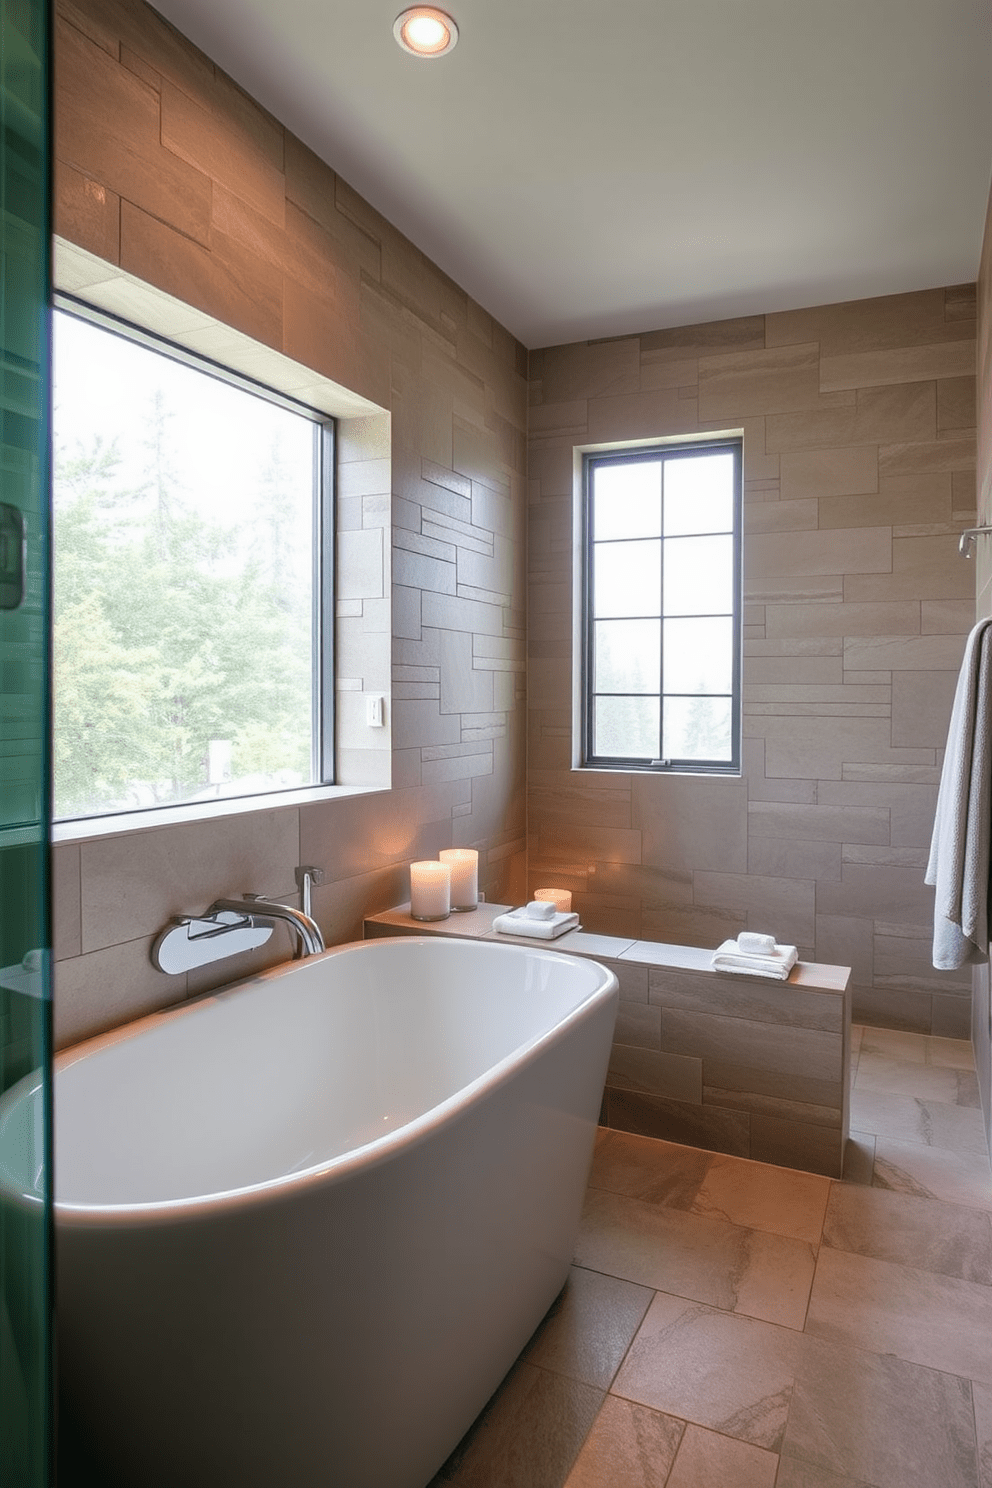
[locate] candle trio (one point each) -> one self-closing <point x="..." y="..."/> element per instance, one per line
<point x="451" y="884"/>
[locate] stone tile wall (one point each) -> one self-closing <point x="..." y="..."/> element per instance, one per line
<point x="166" y="169"/>
<point x="858" y="423"/>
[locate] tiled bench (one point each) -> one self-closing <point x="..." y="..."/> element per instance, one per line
<point x="730" y="1063"/>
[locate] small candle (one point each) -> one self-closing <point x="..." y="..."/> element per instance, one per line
<point x="560" y="898"/>
<point x="464" y="865"/>
<point x="430" y="891"/>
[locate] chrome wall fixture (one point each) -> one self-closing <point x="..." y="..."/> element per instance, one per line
<point x="966" y="542"/>
<point x="195" y="940"/>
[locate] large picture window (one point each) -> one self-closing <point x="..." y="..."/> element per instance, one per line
<point x="193" y="562"/>
<point x="661" y="617"/>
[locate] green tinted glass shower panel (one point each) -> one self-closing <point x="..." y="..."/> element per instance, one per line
<point x="25" y="937"/>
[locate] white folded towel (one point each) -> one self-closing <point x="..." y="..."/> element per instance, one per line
<point x="777" y="964"/>
<point x="541" y="909"/>
<point x="750" y="944"/>
<point x="519" y="922"/>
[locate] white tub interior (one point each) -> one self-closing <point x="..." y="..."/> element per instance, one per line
<point x="251" y="1087"/>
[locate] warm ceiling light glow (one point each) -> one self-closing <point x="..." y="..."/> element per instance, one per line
<point x="425" y="31"/>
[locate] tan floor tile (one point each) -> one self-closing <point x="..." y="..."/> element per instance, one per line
<point x="589" y="1328"/>
<point x="869" y="1419"/>
<point x="708" y="1460"/>
<point x="629" y="1446"/>
<point x="928" y="1081"/>
<point x="729" y="1373"/>
<point x="648" y="1168"/>
<point x="724" y="1265"/>
<point x="950" y="1239"/>
<point x="940" y="1322"/>
<point x="932" y="1173"/>
<point x="894" y="1043"/>
<point x="957" y="1053"/>
<point x="907" y="1118"/>
<point x="781" y="1201"/>
<point x="982" y="1396"/>
<point x="859" y="1158"/>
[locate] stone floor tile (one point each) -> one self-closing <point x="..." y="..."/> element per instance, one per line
<point x="708" y="1460"/>
<point x="782" y="1201"/>
<point x="940" y="1322"/>
<point x="859" y="1158"/>
<point x="874" y="1419"/>
<point x="590" y="1327"/>
<point x="928" y="1081"/>
<point x="732" y="1374"/>
<point x="793" y="1473"/>
<point x="707" y="1260"/>
<point x="956" y="1053"/>
<point x="932" y="1172"/>
<point x="648" y="1168"/>
<point x="909" y="1118"/>
<point x="982" y="1396"/>
<point x="528" y="1436"/>
<point x="950" y="1239"/>
<point x="894" y="1043"/>
<point x="629" y="1446"/>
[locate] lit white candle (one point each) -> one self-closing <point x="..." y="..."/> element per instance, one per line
<point x="560" y="898"/>
<point x="464" y="865"/>
<point x="430" y="891"/>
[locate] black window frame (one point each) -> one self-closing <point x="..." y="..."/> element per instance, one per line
<point x="593" y="460"/>
<point x="324" y="554"/>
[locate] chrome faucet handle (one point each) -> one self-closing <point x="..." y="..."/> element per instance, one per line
<point x="306" y="877"/>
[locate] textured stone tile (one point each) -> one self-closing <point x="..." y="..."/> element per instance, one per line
<point x="956" y="403"/>
<point x="926" y="1318"/>
<point x="530" y="1433"/>
<point x="707" y="1459"/>
<point x="826" y="473"/>
<point x="875" y="1419"/>
<point x="859" y="1159"/>
<point x="813" y="1147"/>
<point x="107" y="988"/>
<point x="679" y="1121"/>
<point x="907" y="411"/>
<point x="645" y="1168"/>
<point x="897" y="1076"/>
<point x="955" y="1053"/>
<point x="983" y="1423"/>
<point x="763" y="1197"/>
<point x="87" y="214"/>
<point x="629" y="1446"/>
<point x="94" y="95"/>
<point x="775" y="857"/>
<point x="809" y="1052"/>
<point x="796" y="622"/>
<point x="932" y="1173"/>
<point x="754" y="998"/>
<point x="907" y="1118"/>
<point x="866" y="550"/>
<point x="589" y="1328"/>
<point x="747" y="333"/>
<point x="778" y="380"/>
<point x="949" y="1239"/>
<point x="888" y="321"/>
<point x="649" y="1069"/>
<point x="907" y="364"/>
<point x="750" y="1271"/>
<point x="66" y="913"/>
<point x="230" y="282"/>
<point x="728" y="1373"/>
<point x="921" y="707"/>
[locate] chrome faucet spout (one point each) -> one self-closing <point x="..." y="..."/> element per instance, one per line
<point x="309" y="940"/>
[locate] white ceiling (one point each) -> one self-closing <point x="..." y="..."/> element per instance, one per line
<point x="590" y="168"/>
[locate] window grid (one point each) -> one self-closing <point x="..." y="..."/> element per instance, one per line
<point x="592" y="618"/>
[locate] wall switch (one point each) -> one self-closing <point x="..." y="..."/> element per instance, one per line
<point x="374" y="711"/>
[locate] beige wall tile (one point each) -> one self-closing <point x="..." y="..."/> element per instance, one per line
<point x="109" y="987"/>
<point x="66" y="913"/>
<point x="866" y="325"/>
<point x="866" y="551"/>
<point x="904" y="412"/>
<point x="905" y="364"/>
<point x="777" y="380"/>
<point x="921" y="707"/>
<point x="834" y="472"/>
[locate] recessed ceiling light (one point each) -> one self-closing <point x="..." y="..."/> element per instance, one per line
<point x="425" y="31"/>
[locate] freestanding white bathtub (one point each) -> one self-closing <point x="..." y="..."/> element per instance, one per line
<point x="305" y="1225"/>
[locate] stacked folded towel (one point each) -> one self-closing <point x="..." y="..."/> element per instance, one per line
<point x="755" y="955"/>
<point x="538" y="919"/>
